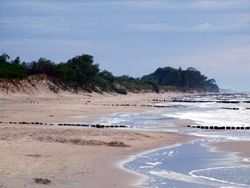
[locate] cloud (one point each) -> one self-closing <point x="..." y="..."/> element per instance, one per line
<point x="206" y="27"/>
<point x="51" y="6"/>
<point x="185" y="5"/>
<point x="5" y="23"/>
<point x="34" y="5"/>
<point x="33" y="25"/>
<point x="55" y="49"/>
<point x="222" y="4"/>
<point x="203" y="27"/>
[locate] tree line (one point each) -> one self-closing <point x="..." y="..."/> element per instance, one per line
<point x="189" y="79"/>
<point x="81" y="72"/>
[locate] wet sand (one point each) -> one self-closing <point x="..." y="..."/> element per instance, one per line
<point x="72" y="156"/>
<point x="241" y="148"/>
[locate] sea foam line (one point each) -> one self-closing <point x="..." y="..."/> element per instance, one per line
<point x="191" y="173"/>
<point x="171" y="175"/>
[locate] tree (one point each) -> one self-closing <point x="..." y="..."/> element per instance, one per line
<point x="4" y="58"/>
<point x="190" y="79"/>
<point x="42" y="66"/>
<point x="107" y="76"/>
<point x="10" y="70"/>
<point x="79" y="71"/>
<point x="17" y="61"/>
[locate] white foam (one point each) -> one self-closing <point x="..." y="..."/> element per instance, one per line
<point x="192" y="173"/>
<point x="246" y="160"/>
<point x="143" y="167"/>
<point x="165" y="153"/>
<point x="170" y="153"/>
<point x="228" y="135"/>
<point x="182" y="177"/>
<point x="153" y="164"/>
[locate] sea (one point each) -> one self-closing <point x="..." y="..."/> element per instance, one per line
<point x="193" y="164"/>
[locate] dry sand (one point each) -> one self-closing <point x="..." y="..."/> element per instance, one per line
<point x="63" y="107"/>
<point x="71" y="156"/>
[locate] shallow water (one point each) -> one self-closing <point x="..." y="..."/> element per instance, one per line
<point x="190" y="165"/>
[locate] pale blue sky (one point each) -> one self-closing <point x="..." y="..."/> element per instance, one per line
<point x="134" y="36"/>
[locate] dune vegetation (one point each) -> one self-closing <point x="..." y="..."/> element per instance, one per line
<point x="81" y="73"/>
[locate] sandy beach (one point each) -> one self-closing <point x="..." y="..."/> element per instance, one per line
<point x="72" y="157"/>
<point x="53" y="108"/>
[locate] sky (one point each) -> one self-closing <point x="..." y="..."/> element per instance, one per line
<point x="134" y="37"/>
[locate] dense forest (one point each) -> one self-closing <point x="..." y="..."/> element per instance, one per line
<point x="81" y="73"/>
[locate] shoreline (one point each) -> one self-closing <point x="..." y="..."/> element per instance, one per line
<point x="142" y="177"/>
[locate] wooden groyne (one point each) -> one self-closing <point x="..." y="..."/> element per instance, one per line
<point x="219" y="127"/>
<point x="208" y="101"/>
<point x="99" y="126"/>
<point x="155" y="106"/>
<point x="122" y="105"/>
<point x="227" y="108"/>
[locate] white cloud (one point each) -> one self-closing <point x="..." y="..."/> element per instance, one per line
<point x="222" y="4"/>
<point x="185" y="5"/>
<point x="55" y="49"/>
<point x="203" y="27"/>
<point x="46" y="5"/>
<point x="207" y="27"/>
